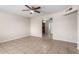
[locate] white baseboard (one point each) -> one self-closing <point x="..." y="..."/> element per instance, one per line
<point x="36" y="36"/>
<point x="65" y="40"/>
<point x="13" y="38"/>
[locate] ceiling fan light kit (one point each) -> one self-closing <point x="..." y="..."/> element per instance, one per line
<point x="31" y="11"/>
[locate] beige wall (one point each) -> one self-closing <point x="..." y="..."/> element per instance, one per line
<point x="65" y="27"/>
<point x="36" y="26"/>
<point x="13" y="26"/>
<point x="78" y="29"/>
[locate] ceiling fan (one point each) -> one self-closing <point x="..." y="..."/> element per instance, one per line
<point x="32" y="9"/>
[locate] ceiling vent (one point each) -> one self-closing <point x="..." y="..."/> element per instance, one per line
<point x="70" y="10"/>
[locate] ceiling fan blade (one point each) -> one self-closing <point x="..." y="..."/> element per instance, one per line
<point x="25" y="10"/>
<point x="37" y="11"/>
<point x="37" y="8"/>
<point x="28" y="6"/>
<point x="34" y="8"/>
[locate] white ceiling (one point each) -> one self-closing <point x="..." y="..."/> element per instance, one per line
<point x="45" y="9"/>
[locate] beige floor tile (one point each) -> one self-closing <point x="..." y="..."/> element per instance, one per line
<point x="37" y="45"/>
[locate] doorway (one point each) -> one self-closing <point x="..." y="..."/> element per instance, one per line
<point x="47" y="29"/>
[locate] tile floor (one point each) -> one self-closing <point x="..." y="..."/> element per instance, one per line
<point x="35" y="45"/>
